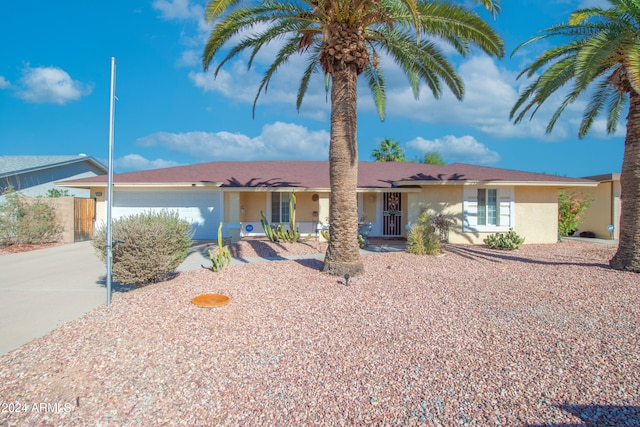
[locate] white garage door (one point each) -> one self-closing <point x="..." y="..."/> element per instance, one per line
<point x="201" y="208"/>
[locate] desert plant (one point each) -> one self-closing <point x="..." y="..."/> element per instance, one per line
<point x="151" y="246"/>
<point x="570" y="209"/>
<point x="509" y="241"/>
<point x="223" y="258"/>
<point x="442" y="223"/>
<point x="422" y="238"/>
<point x="24" y="220"/>
<point x="280" y="233"/>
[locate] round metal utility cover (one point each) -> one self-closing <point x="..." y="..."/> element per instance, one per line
<point x="210" y="300"/>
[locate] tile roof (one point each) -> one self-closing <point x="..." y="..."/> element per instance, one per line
<point x="315" y="174"/>
<point x="13" y="165"/>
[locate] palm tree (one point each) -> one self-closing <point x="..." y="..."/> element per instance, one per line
<point x="602" y="53"/>
<point x="343" y="39"/>
<point x="389" y="151"/>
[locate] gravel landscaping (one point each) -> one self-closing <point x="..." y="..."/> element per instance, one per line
<point x="547" y="335"/>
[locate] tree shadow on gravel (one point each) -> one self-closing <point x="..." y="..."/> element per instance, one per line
<point x="599" y="415"/>
<point x="312" y="263"/>
<point x="494" y="255"/>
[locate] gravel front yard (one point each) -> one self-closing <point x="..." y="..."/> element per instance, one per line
<point x="547" y="335"/>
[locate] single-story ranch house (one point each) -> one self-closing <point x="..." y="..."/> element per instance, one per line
<point x="391" y="196"/>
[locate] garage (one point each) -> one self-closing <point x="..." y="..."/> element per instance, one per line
<point x="201" y="208"/>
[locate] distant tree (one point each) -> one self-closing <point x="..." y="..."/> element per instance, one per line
<point x="601" y="60"/>
<point x="433" y="158"/>
<point x="389" y="151"/>
<point x="54" y="192"/>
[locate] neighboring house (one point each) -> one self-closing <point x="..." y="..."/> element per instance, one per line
<point x="35" y="175"/>
<point x="604" y="210"/>
<point x="391" y="195"/>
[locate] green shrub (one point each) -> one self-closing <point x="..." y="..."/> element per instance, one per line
<point x="24" y="220"/>
<point x="150" y="246"/>
<point x="570" y="209"/>
<point x="509" y="241"/>
<point x="422" y="238"/>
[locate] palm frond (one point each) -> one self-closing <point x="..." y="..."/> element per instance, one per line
<point x="376" y="82"/>
<point x="313" y="65"/>
<point x="283" y="55"/>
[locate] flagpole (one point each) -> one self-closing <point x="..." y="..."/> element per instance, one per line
<point x="110" y="178"/>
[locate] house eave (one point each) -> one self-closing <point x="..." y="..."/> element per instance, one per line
<point x="159" y="185"/>
<point x="500" y="183"/>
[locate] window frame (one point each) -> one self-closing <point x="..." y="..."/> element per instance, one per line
<point x="283" y="214"/>
<point x="504" y="206"/>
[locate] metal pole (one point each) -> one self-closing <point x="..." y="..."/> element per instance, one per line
<point x="112" y="97"/>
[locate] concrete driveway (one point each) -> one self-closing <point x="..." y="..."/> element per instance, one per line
<point x="40" y="290"/>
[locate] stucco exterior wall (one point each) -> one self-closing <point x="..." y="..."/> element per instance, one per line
<point x="603" y="211"/>
<point x="305" y="207"/>
<point x="252" y="203"/>
<point x="447" y="200"/>
<point x="369" y="207"/>
<point x="100" y="194"/>
<point x="536" y="211"/>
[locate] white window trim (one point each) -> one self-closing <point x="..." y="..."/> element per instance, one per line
<point x="270" y="207"/>
<point x="506" y="210"/>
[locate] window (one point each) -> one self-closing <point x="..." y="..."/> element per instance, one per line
<point x="280" y="207"/>
<point x="488" y="210"/>
<point x="487" y="206"/>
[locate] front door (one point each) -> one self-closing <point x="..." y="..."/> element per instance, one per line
<point x="392" y="214"/>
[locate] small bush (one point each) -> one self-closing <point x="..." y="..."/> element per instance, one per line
<point x="509" y="241"/>
<point x="422" y="238"/>
<point x="571" y="207"/>
<point x="24" y="220"/>
<point x="150" y="246"/>
<point x="442" y="223"/>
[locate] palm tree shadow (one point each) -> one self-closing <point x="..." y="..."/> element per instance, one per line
<point x="496" y="256"/>
<point x="599" y="415"/>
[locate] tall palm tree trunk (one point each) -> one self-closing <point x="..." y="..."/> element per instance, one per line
<point x="628" y="255"/>
<point x="343" y="253"/>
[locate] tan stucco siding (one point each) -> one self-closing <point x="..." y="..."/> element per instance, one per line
<point x="305" y="207"/>
<point x="369" y="207"/>
<point x="603" y="211"/>
<point x="536" y="214"/>
<point x="99" y="193"/>
<point x="445" y="200"/>
<point x="250" y="206"/>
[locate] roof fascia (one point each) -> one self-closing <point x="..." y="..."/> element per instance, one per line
<point x="91" y="160"/>
<point x="502" y="183"/>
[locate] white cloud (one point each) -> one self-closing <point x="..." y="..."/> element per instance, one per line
<point x="281" y="141"/>
<point x="464" y="149"/>
<point x="189" y="58"/>
<point x="50" y="85"/>
<point x="134" y="162"/>
<point x="4" y="83"/>
<point x="178" y="9"/>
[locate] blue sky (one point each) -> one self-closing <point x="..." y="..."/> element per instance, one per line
<point x="55" y="76"/>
